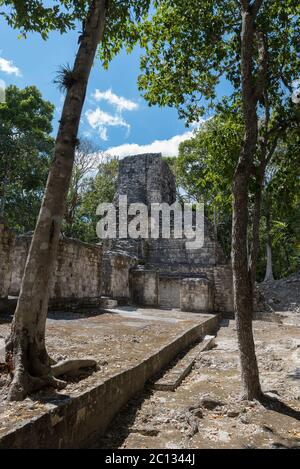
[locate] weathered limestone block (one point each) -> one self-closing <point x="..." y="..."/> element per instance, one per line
<point x="169" y="291"/>
<point x="196" y="295"/>
<point x="116" y="268"/>
<point x="7" y="240"/>
<point x="144" y="287"/>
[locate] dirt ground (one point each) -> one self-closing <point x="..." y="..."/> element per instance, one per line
<point x="206" y="411"/>
<point x="116" y="340"/>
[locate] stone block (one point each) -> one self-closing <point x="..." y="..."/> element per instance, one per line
<point x="196" y="295"/>
<point x="144" y="287"/>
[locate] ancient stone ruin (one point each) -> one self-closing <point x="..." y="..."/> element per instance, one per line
<point x="163" y="272"/>
<point x="149" y="272"/>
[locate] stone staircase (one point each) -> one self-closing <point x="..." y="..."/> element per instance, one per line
<point x="173" y="377"/>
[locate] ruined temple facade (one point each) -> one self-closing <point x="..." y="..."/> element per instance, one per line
<point x="163" y="272"/>
<point x="148" y="272"/>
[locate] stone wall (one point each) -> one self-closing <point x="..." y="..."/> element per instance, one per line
<point x="164" y="263"/>
<point x="196" y="295"/>
<point x="223" y="286"/>
<point x="116" y="267"/>
<point x="144" y="287"/>
<point x="146" y="179"/>
<point x="77" y="271"/>
<point x="149" y="272"/>
<point x="7" y="241"/>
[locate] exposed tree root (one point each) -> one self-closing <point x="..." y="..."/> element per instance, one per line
<point x="72" y="366"/>
<point x="23" y="384"/>
<point x="32" y="368"/>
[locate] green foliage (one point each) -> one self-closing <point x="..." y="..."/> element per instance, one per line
<point x="282" y="201"/>
<point x="62" y="15"/>
<point x="33" y="15"/>
<point x="204" y="171"/>
<point x="26" y="146"/>
<point x="190" y="45"/>
<point x="205" y="166"/>
<point x="95" y="190"/>
<point x="122" y="27"/>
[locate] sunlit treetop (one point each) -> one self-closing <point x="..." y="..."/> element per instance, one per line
<point x="43" y="17"/>
<point x="190" y="45"/>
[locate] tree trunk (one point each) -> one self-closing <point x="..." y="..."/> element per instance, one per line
<point x="26" y="352"/>
<point x="242" y="284"/>
<point x="269" y="267"/>
<point x="256" y="222"/>
<point x="266" y="153"/>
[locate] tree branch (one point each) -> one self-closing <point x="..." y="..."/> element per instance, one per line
<point x="245" y="5"/>
<point x="256" y="6"/>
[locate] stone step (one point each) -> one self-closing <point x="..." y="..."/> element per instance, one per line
<point x="174" y="376"/>
<point x="108" y="302"/>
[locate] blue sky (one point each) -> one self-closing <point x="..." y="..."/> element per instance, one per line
<point x="115" y="115"/>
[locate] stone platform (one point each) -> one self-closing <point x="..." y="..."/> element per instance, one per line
<point x="131" y="345"/>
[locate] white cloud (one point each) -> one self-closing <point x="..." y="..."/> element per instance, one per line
<point x="120" y="103"/>
<point x="7" y="66"/>
<point x="100" y="120"/>
<point x="166" y="147"/>
<point x="103" y="134"/>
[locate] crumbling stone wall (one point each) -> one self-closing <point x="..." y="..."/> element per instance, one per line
<point x="196" y="294"/>
<point x="150" y="272"/>
<point x="116" y="267"/>
<point x="144" y="286"/>
<point x="166" y="265"/>
<point x="7" y="241"/>
<point x="146" y="179"/>
<point x="223" y="286"/>
<point x="77" y="272"/>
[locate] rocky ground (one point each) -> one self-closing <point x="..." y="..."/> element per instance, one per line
<point x="283" y="294"/>
<point x="116" y="340"/>
<point x="206" y="411"/>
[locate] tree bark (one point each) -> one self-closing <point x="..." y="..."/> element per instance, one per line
<point x="256" y="223"/>
<point x="269" y="267"/>
<point x="242" y="284"/>
<point x="26" y="351"/>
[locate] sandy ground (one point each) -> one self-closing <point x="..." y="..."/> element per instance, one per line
<point x="116" y="340"/>
<point x="206" y="411"/>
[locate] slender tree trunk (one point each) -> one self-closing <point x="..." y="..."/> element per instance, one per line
<point x="26" y="351"/>
<point x="266" y="153"/>
<point x="242" y="284"/>
<point x="269" y="267"/>
<point x="256" y="223"/>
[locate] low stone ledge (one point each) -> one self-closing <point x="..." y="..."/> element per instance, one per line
<point x="78" y="419"/>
